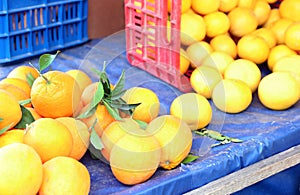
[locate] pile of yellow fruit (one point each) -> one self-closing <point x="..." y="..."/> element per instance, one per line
<point x="224" y="43"/>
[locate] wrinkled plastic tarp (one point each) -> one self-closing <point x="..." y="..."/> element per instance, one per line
<point x="264" y="132"/>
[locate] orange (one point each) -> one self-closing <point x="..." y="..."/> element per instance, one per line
<point x="216" y="23"/>
<point x="113" y="132"/>
<point x="80" y="134"/>
<point x="247" y="3"/>
<point x="232" y="96"/>
<point x="267" y="34"/>
<point x="224" y="43"/>
<point x="17" y="92"/>
<point x="21" y="169"/>
<point x="65" y="175"/>
<point x="150" y="104"/>
<point x="218" y="60"/>
<point x="141" y="146"/>
<point x="10" y="111"/>
<point x="203" y="79"/>
<point x="34" y="114"/>
<point x="49" y="138"/>
<point x="244" y="70"/>
<point x="262" y="11"/>
<point x="81" y="77"/>
<point x="60" y="97"/>
<point x="185" y="5"/>
<point x="279" y="27"/>
<point x="18" y="83"/>
<point x="290" y="9"/>
<point x="205" y="7"/>
<point x="192" y="108"/>
<point x="192" y="28"/>
<point x="273" y="17"/>
<point x="103" y="118"/>
<point x="292" y="36"/>
<point x="175" y="138"/>
<point x="289" y="63"/>
<point x="278" y="91"/>
<point x="184" y="61"/>
<point x="197" y="52"/>
<point x="11" y="136"/>
<point x="242" y="21"/>
<point x="277" y="52"/>
<point x="22" y="71"/>
<point x="253" y="48"/>
<point x="227" y="5"/>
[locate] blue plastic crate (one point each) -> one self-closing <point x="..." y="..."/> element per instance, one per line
<point x="29" y="28"/>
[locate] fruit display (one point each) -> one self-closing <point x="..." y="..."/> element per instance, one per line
<point x="50" y="119"/>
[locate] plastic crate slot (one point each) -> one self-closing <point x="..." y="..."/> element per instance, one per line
<point x="18" y="21"/>
<point x="70" y="11"/>
<point x="39" y="38"/>
<point x="150" y="5"/>
<point x="38" y="18"/>
<point x="70" y="30"/>
<point x="53" y="14"/>
<point x="54" y="34"/>
<point x="20" y="42"/>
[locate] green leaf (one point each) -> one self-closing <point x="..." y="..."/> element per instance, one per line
<point x="1" y="119"/>
<point x="30" y="79"/>
<point x="97" y="96"/>
<point x="26" y="119"/>
<point x="89" y="112"/>
<point x="190" y="158"/>
<point x="118" y="89"/>
<point x="235" y="140"/>
<point x="4" y="129"/>
<point x="95" y="139"/>
<point x="142" y="124"/>
<point x="45" y="60"/>
<point x="215" y="135"/>
<point x="24" y="102"/>
<point x="119" y="95"/>
<point x="112" y="111"/>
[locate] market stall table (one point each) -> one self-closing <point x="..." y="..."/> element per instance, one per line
<point x="264" y="132"/>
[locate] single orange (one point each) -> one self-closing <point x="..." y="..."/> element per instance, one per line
<point x="17" y="92"/>
<point x="22" y="84"/>
<point x="11" y="136"/>
<point x="22" y="71"/>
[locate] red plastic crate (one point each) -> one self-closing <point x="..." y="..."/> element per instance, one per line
<point x="147" y="44"/>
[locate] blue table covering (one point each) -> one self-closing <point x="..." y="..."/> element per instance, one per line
<point x="264" y="132"/>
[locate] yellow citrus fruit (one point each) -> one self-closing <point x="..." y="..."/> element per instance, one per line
<point x="292" y="36"/>
<point x="273" y="17"/>
<point x="277" y="52"/>
<point x="203" y="79"/>
<point x="184" y="61"/>
<point x="80" y="134"/>
<point x="81" y="77"/>
<point x="227" y="5"/>
<point x="192" y="28"/>
<point x="11" y="136"/>
<point x="65" y="175"/>
<point x="218" y="59"/>
<point x="205" y="7"/>
<point x="140" y="146"/>
<point x="57" y="96"/>
<point x="216" y="23"/>
<point x="34" y="114"/>
<point x="254" y="48"/>
<point x="22" y="71"/>
<point x="149" y="107"/>
<point x="279" y="27"/>
<point x="197" y="52"/>
<point x="18" y="83"/>
<point x="17" y="92"/>
<point x="49" y="138"/>
<point x="185" y="5"/>
<point x="10" y="111"/>
<point x="192" y="108"/>
<point x="247" y="3"/>
<point x="244" y="70"/>
<point x="175" y="138"/>
<point x="224" y="43"/>
<point x="268" y="35"/>
<point x="232" y="96"/>
<point x="278" y="91"/>
<point x="290" y="9"/>
<point x="113" y="132"/>
<point x="242" y="21"/>
<point x="289" y="63"/>
<point x="103" y="118"/>
<point x="262" y="10"/>
<point x="21" y="169"/>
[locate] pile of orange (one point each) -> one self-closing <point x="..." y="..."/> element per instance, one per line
<point x="226" y="42"/>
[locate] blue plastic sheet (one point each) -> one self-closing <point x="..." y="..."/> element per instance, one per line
<point x="264" y="132"/>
